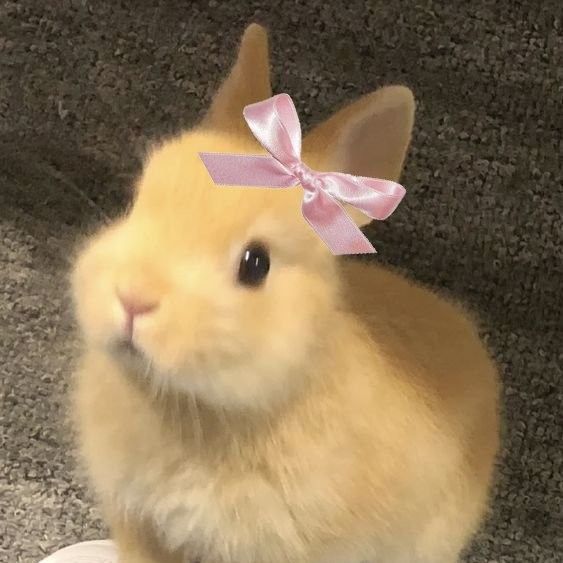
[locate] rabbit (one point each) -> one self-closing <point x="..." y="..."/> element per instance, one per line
<point x="245" y="396"/>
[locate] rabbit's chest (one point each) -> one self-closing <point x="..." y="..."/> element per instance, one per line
<point x="144" y="471"/>
<point x="196" y="506"/>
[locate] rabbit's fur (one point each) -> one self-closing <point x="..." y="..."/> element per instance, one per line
<point x="337" y="413"/>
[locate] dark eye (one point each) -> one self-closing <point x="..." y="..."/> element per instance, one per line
<point x="254" y="265"/>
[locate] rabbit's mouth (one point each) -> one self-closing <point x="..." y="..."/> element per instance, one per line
<point x="126" y="348"/>
<point x="131" y="356"/>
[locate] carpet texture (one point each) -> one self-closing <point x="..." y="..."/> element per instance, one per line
<point x="84" y="85"/>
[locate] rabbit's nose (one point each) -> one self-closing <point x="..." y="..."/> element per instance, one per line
<point x="134" y="306"/>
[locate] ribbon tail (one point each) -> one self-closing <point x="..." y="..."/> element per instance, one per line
<point x="247" y="170"/>
<point x="337" y="230"/>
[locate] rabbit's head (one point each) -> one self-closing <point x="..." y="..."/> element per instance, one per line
<point x="227" y="293"/>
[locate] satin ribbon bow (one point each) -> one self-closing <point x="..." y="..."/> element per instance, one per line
<point x="275" y="124"/>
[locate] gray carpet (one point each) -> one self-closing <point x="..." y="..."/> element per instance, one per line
<point x="84" y="85"/>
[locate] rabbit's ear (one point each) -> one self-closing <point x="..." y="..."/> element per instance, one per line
<point x="248" y="82"/>
<point x="370" y="137"/>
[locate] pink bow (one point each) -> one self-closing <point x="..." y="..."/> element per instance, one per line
<point x="275" y="124"/>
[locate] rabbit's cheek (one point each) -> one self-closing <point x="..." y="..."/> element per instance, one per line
<point x="164" y="339"/>
<point x="98" y="314"/>
<point x="160" y="345"/>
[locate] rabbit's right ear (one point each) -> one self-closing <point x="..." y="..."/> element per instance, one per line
<point x="248" y="82"/>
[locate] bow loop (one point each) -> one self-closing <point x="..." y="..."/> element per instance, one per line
<point x="275" y="124"/>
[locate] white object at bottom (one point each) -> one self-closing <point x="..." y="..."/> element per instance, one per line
<point x="100" y="551"/>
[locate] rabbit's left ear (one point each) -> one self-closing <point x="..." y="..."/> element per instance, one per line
<point x="248" y="82"/>
<point x="369" y="137"/>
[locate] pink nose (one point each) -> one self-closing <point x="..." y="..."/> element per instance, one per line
<point x="134" y="307"/>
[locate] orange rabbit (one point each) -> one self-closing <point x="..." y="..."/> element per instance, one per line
<point x="247" y="397"/>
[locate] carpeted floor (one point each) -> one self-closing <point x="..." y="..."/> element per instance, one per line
<point x="84" y="85"/>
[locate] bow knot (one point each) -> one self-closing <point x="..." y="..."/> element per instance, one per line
<point x="308" y="178"/>
<point x="275" y="125"/>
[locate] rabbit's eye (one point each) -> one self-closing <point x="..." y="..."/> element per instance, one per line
<point x="254" y="265"/>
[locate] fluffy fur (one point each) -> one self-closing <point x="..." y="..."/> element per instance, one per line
<point x="339" y="413"/>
